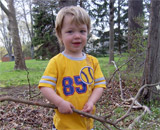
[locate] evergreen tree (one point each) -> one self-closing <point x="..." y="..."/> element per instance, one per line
<point x="44" y="24"/>
<point x="98" y="10"/>
<point x="121" y="28"/>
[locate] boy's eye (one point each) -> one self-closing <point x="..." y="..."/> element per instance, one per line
<point x="83" y="31"/>
<point x="70" y="31"/>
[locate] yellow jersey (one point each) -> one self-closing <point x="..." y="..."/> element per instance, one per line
<point x="73" y="79"/>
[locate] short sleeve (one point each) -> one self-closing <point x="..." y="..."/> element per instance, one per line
<point x="99" y="79"/>
<point x="49" y="77"/>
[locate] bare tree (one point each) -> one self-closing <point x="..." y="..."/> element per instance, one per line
<point x="14" y="32"/>
<point x="111" y="32"/>
<point x="32" y="33"/>
<point x="6" y="39"/>
<point x="28" y="25"/>
<point x="152" y="62"/>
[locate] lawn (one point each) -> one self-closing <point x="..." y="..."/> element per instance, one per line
<point x="10" y="77"/>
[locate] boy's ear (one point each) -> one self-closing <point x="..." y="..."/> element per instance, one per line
<point x="60" y="36"/>
<point x="60" y="40"/>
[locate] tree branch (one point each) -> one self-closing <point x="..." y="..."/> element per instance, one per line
<point x="4" y="9"/>
<point x="103" y="120"/>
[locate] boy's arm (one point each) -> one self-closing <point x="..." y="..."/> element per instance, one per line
<point x="95" y="96"/>
<point x="63" y="106"/>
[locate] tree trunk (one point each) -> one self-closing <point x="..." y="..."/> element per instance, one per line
<point x="135" y="10"/>
<point x="63" y="3"/>
<point x="119" y="26"/>
<point x="152" y="62"/>
<point x="13" y="29"/>
<point x="135" y="25"/>
<point x="111" y="32"/>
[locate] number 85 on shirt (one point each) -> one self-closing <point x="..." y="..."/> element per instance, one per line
<point x="86" y="77"/>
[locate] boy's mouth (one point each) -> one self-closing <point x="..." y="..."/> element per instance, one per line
<point x="77" y="43"/>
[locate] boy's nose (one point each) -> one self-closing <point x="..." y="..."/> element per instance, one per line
<point x="77" y="35"/>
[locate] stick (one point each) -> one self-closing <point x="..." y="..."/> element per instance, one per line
<point x="101" y="119"/>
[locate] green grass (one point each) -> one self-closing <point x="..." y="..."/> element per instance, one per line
<point x="11" y="77"/>
<point x="108" y="69"/>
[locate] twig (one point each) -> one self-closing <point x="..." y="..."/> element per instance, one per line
<point x="29" y="85"/>
<point x="101" y="119"/>
<point x="36" y="95"/>
<point x="120" y="80"/>
<point x="122" y="66"/>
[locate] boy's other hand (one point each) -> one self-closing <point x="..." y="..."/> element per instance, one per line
<point x="65" y="107"/>
<point x="88" y="107"/>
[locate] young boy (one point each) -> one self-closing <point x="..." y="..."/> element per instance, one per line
<point x="72" y="78"/>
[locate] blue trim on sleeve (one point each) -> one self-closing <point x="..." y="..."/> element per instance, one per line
<point x="100" y="83"/>
<point x="49" y="77"/>
<point x="99" y="79"/>
<point x="47" y="82"/>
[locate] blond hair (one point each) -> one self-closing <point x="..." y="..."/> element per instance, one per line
<point x="79" y="16"/>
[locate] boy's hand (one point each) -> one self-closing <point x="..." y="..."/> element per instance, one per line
<point x="96" y="94"/>
<point x="88" y="107"/>
<point x="65" y="107"/>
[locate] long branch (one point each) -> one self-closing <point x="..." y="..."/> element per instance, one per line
<point x="101" y="119"/>
<point x="4" y="9"/>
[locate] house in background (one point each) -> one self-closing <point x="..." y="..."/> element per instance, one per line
<point x="5" y="58"/>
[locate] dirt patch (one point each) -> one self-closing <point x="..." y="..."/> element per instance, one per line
<point x="15" y="91"/>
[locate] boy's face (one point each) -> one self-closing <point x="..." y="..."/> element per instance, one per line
<point x="73" y="36"/>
